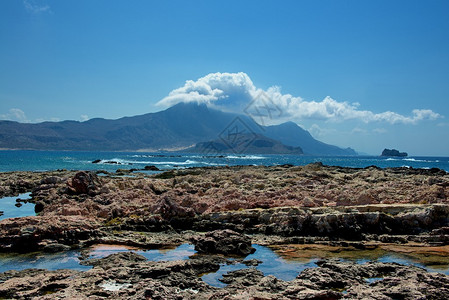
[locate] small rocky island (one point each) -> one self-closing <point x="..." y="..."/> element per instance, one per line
<point x="393" y="152"/>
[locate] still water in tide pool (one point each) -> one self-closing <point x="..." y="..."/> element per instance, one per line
<point x="71" y="259"/>
<point x="10" y="209"/>
<point x="272" y="263"/>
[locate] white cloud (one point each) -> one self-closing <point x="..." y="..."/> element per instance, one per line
<point x="15" y="114"/>
<point x="40" y="120"/>
<point x="34" y="7"/>
<point x="215" y="89"/>
<point x="235" y="91"/>
<point x="18" y="115"/>
<point x="84" y="118"/>
<point x="317" y="131"/>
<point x="380" y="130"/>
<point x="358" y="130"/>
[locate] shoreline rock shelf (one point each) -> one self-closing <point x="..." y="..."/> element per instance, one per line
<point x="276" y="205"/>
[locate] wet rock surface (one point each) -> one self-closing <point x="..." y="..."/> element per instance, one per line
<point x="131" y="276"/>
<point x="224" y="242"/>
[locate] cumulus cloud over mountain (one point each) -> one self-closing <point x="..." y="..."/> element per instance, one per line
<point x="235" y="92"/>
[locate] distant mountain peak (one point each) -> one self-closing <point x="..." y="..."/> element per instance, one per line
<point x="193" y="104"/>
<point x="181" y="125"/>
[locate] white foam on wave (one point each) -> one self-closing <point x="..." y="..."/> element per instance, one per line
<point x="116" y="160"/>
<point x="245" y="157"/>
<point x="187" y="162"/>
<point x="410" y="159"/>
<point x="414" y="159"/>
<point x="213" y="164"/>
<point x="127" y="162"/>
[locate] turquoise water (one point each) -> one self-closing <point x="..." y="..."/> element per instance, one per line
<point x="10" y="210"/>
<point x="78" y="160"/>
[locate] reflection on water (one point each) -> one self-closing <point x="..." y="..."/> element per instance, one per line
<point x="70" y="259"/>
<point x="10" y="210"/>
<point x="181" y="252"/>
<point x="272" y="264"/>
<point x="433" y="259"/>
<point x="39" y="260"/>
<point x="284" y="261"/>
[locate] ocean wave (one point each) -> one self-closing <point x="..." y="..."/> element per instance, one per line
<point x="417" y="160"/>
<point x="168" y="163"/>
<point x="213" y="164"/>
<point x="120" y="161"/>
<point x="244" y="157"/>
<point x="154" y="155"/>
<point x="410" y="159"/>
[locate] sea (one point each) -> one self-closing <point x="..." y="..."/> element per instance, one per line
<point x="27" y="160"/>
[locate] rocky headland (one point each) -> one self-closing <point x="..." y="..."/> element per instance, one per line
<point x="279" y="205"/>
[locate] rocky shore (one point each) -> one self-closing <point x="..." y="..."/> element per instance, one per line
<point x="131" y="276"/>
<point x="277" y="205"/>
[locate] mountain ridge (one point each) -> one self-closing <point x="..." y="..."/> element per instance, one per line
<point x="180" y="126"/>
<point x="248" y="144"/>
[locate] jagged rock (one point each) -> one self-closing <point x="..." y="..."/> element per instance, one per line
<point x="84" y="183"/>
<point x="27" y="233"/>
<point x="56" y="247"/>
<point x="134" y="277"/>
<point x="151" y="168"/>
<point x="169" y="208"/>
<point x="224" y="242"/>
<point x="51" y="180"/>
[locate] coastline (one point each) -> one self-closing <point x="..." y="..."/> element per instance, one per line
<point x="357" y="208"/>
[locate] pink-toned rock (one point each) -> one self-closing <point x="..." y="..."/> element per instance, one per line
<point x="84" y="183"/>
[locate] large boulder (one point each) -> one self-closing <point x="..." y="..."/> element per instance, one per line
<point x="84" y="183"/>
<point x="224" y="242"/>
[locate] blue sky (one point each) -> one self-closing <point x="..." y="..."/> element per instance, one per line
<point x="350" y="72"/>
